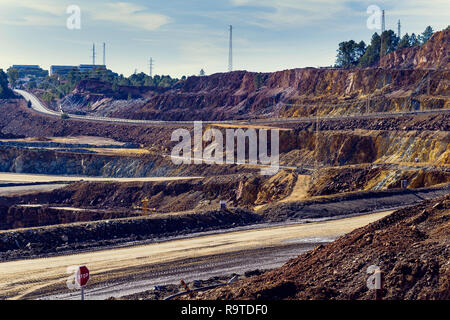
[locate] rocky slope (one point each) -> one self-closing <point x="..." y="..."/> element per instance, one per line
<point x="401" y="82"/>
<point x="434" y="54"/>
<point x="293" y="93"/>
<point x="32" y="242"/>
<point x="410" y="247"/>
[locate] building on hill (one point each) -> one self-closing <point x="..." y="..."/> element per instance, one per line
<point x="61" y="70"/>
<point x="64" y="70"/>
<point x="90" y="67"/>
<point x="26" y="71"/>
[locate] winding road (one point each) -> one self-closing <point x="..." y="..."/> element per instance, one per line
<point x="38" y="106"/>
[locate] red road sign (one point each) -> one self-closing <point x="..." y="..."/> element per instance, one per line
<point x="82" y="276"/>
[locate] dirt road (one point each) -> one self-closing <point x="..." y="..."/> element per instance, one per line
<point x="25" y="177"/>
<point x="123" y="271"/>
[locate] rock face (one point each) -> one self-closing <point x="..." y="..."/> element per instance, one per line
<point x="336" y="180"/>
<point x="397" y="84"/>
<point x="53" y="239"/>
<point x="410" y="247"/>
<point x="290" y="93"/>
<point x="434" y="54"/>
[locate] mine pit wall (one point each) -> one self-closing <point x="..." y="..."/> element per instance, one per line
<point x="100" y="200"/>
<point x="297" y="147"/>
<point x="19" y="121"/>
<point x="24" y="217"/>
<point x="361" y="146"/>
<point x="314" y="91"/>
<point x="329" y="181"/>
<point x="44" y="161"/>
<point x="33" y="242"/>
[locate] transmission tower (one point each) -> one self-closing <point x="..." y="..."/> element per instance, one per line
<point x="151" y="67"/>
<point x="399" y="29"/>
<point x="104" y="54"/>
<point x="230" y="52"/>
<point x="93" y="54"/>
<point x="383" y="28"/>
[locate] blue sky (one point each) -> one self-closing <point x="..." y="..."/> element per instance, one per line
<point x="184" y="36"/>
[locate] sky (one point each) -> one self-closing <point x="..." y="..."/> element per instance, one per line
<point x="184" y="36"/>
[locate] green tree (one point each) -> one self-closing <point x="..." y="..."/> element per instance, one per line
<point x="404" y="42"/>
<point x="349" y="53"/>
<point x="258" y="80"/>
<point x="426" y="35"/>
<point x="390" y="41"/>
<point x="372" y="54"/>
<point x="5" y="91"/>
<point x="13" y="75"/>
<point x="413" y="40"/>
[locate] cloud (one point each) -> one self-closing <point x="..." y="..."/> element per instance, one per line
<point x="130" y="14"/>
<point x="46" y="6"/>
<point x="282" y="13"/>
<point x="32" y="20"/>
<point x="53" y="12"/>
<point x="31" y="13"/>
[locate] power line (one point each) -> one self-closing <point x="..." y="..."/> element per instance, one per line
<point x="230" y="51"/>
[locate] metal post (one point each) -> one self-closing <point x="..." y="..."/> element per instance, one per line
<point x="151" y="67"/>
<point x="230" y="51"/>
<point x="93" y="54"/>
<point x="82" y="293"/>
<point x="383" y="28"/>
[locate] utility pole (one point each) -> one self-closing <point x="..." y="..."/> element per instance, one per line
<point x="230" y="52"/>
<point x="93" y="54"/>
<point x="383" y="28"/>
<point x="104" y="54"/>
<point x="151" y="67"/>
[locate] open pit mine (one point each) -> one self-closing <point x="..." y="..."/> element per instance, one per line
<point x="363" y="179"/>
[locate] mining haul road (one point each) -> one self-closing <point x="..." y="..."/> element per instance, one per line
<point x="38" y="106"/>
<point x="128" y="270"/>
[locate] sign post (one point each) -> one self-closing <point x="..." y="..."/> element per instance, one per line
<point x="82" y="278"/>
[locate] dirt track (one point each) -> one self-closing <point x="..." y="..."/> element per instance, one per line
<point x="43" y="277"/>
<point x="19" y="177"/>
